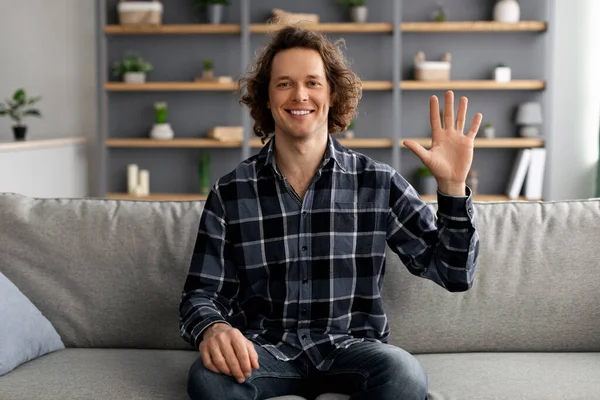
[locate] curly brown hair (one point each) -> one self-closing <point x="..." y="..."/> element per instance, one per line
<point x="345" y="85"/>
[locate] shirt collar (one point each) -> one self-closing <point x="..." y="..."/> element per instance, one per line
<point x="266" y="156"/>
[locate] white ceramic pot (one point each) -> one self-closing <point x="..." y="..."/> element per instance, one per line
<point x="359" y="14"/>
<point x="162" y="132"/>
<point x="507" y="11"/>
<point x="489" y="132"/>
<point x="502" y="74"/>
<point x="134" y="77"/>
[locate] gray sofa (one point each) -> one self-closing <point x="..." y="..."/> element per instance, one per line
<point x="108" y="275"/>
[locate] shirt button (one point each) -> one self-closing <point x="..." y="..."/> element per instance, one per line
<point x="304" y="248"/>
<point x="303" y="337"/>
<point x="304" y="311"/>
<point x="305" y="281"/>
<point x="304" y="214"/>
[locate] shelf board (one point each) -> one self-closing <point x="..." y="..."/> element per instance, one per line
<point x="473" y="85"/>
<point x="474" y="26"/>
<point x="170" y="86"/>
<point x="377" y="85"/>
<point x="479" y="197"/>
<point x="157" y="197"/>
<point x="172" y="143"/>
<point x="498" y="143"/>
<point x="173" y="29"/>
<point x="370" y="27"/>
<point x="360" y="143"/>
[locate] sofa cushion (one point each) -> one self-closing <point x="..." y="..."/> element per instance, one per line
<point x="106" y="273"/>
<point x="161" y="374"/>
<point x="25" y="334"/>
<point x="108" y="374"/>
<point x="537" y="285"/>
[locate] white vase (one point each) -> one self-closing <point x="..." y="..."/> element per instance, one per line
<point x="507" y="11"/>
<point x="489" y="132"/>
<point x="359" y="14"/>
<point x="162" y="132"/>
<point x="134" y="77"/>
<point x="502" y="74"/>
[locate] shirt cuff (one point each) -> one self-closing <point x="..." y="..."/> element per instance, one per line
<point x="207" y="324"/>
<point x="456" y="206"/>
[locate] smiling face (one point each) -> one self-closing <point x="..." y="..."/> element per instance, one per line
<point x="299" y="94"/>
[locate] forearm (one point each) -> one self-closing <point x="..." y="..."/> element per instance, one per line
<point x="197" y="313"/>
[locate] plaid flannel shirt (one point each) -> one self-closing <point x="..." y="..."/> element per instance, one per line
<point x="304" y="275"/>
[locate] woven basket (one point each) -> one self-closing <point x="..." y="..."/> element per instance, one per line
<point x="287" y="18"/>
<point x="432" y="70"/>
<point x="140" y="12"/>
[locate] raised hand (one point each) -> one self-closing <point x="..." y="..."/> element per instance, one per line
<point x="451" y="153"/>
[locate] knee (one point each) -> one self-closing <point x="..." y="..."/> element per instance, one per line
<point x="405" y="373"/>
<point x="203" y="384"/>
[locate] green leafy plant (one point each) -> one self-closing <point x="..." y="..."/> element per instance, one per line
<point x="17" y="108"/>
<point x="132" y="62"/>
<point x="423" y="171"/>
<point x="208" y="65"/>
<point x="501" y="65"/>
<point x="201" y="4"/>
<point x="352" y="3"/>
<point x="488" y="125"/>
<point x="160" y="112"/>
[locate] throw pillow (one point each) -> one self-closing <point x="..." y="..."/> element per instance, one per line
<point x="25" y="334"/>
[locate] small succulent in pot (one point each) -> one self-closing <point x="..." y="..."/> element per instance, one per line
<point x="17" y="108"/>
<point x="132" y="68"/>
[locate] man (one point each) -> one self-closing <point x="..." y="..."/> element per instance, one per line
<point x="282" y="295"/>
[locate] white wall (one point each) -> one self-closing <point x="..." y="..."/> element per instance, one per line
<point x="573" y="152"/>
<point x="48" y="48"/>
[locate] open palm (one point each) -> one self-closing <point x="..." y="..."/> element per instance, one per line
<point x="451" y="153"/>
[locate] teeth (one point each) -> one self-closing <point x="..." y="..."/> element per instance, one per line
<point x="299" y="112"/>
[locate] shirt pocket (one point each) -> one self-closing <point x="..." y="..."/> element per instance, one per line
<point x="355" y="228"/>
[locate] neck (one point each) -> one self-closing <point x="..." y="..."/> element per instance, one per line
<point x="300" y="159"/>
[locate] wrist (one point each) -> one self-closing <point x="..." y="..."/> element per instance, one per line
<point x="452" y="188"/>
<point x="214" y="327"/>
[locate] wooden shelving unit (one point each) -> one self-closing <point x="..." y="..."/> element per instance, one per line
<point x="173" y="29"/>
<point x="473" y="85"/>
<point x="371" y="27"/>
<point x="474" y="26"/>
<point x="172" y="143"/>
<point x="169" y="86"/>
<point x="350" y="143"/>
<point x="496" y="143"/>
<point x="157" y="197"/>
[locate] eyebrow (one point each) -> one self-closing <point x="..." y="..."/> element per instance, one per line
<point x="310" y="76"/>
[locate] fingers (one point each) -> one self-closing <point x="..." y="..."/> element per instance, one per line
<point x="475" y="125"/>
<point x="219" y="360"/>
<point x="434" y="113"/>
<point x="207" y="360"/>
<point x="233" y="363"/>
<point x="253" y="355"/>
<point x="241" y="351"/>
<point x="419" y="150"/>
<point x="449" y="110"/>
<point x="462" y="114"/>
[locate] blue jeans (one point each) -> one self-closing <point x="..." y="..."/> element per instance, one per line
<point x="364" y="371"/>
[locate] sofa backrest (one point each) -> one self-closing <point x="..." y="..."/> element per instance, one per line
<point x="109" y="273"/>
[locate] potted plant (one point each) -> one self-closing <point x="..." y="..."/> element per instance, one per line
<point x="214" y="9"/>
<point x="427" y="182"/>
<point x="161" y="129"/>
<point x="132" y="68"/>
<point x="488" y="130"/>
<point x="17" y="108"/>
<point x="207" y="70"/>
<point x="439" y="15"/>
<point x="358" y="9"/>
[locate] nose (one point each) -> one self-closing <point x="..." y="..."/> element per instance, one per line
<point x="300" y="93"/>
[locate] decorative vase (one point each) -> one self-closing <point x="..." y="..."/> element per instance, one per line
<point x="162" y="131"/>
<point x="19" y="132"/>
<point x="208" y="74"/>
<point x="359" y="14"/>
<point x="427" y="185"/>
<point x="349" y="134"/>
<point x="134" y="77"/>
<point x="215" y="13"/>
<point x="204" y="174"/>
<point x="489" y="132"/>
<point x="507" y="11"/>
<point x="502" y="74"/>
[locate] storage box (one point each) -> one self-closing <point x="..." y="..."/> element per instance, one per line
<point x="432" y="70"/>
<point x="140" y="12"/>
<point x="227" y="133"/>
<point x="287" y="18"/>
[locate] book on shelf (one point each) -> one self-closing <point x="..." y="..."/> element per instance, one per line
<point x="528" y="173"/>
